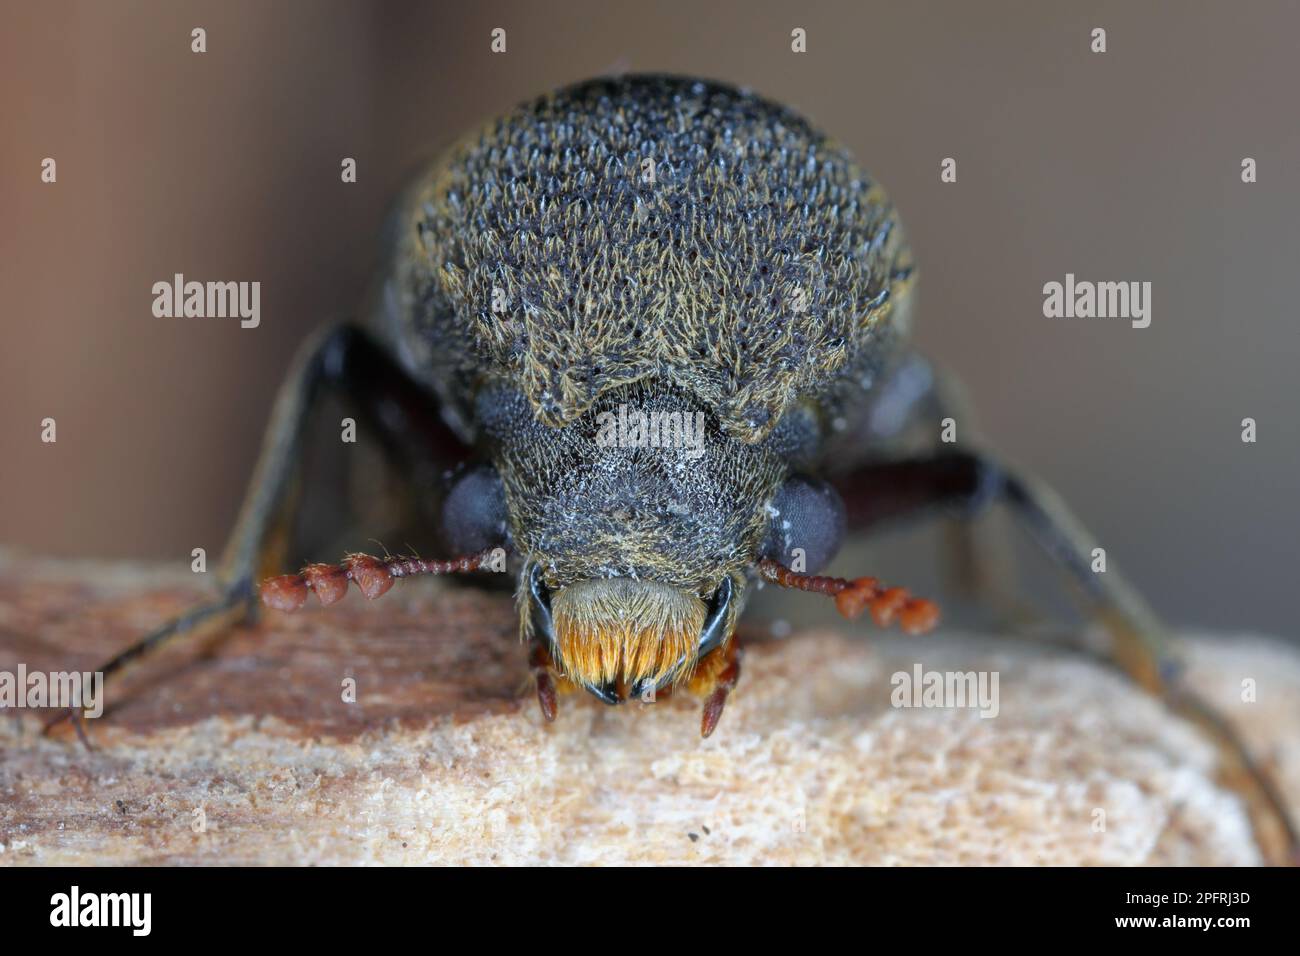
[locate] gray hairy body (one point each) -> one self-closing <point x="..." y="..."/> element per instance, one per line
<point x="655" y="241"/>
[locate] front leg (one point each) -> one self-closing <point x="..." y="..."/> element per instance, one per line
<point x="344" y="360"/>
<point x="715" y="677"/>
<point x="968" y="482"/>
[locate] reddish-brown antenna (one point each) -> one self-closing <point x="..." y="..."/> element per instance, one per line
<point x="373" y="576"/>
<point x="914" y="615"/>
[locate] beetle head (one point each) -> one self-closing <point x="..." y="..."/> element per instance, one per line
<point x="639" y="524"/>
<point x="637" y="546"/>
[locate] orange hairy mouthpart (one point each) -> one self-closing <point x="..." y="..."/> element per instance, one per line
<point x="620" y="629"/>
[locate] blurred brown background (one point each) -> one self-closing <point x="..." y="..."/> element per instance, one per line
<point x="1121" y="166"/>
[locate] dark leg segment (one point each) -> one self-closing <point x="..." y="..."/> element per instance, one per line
<point x="968" y="482"/>
<point x="539" y="662"/>
<point x="402" y="413"/>
<point x="906" y="412"/>
<point x="715" y="677"/>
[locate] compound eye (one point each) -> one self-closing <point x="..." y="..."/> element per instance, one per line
<point x="474" y="511"/>
<point x="807" y="520"/>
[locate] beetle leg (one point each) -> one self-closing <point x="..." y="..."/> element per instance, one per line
<point x="341" y="359"/>
<point x="404" y="415"/>
<point x="906" y="411"/>
<point x="969" y="482"/>
<point x="549" y="680"/>
<point x="539" y="662"/>
<point x="714" y="678"/>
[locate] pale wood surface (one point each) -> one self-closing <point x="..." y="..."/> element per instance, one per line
<point x="444" y="758"/>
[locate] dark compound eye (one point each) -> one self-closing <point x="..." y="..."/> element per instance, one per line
<point x="474" y="511"/>
<point x="807" y="521"/>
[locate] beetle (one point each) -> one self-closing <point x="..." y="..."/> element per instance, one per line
<point x="670" y="252"/>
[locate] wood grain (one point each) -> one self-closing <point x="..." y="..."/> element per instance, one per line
<point x="445" y="759"/>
